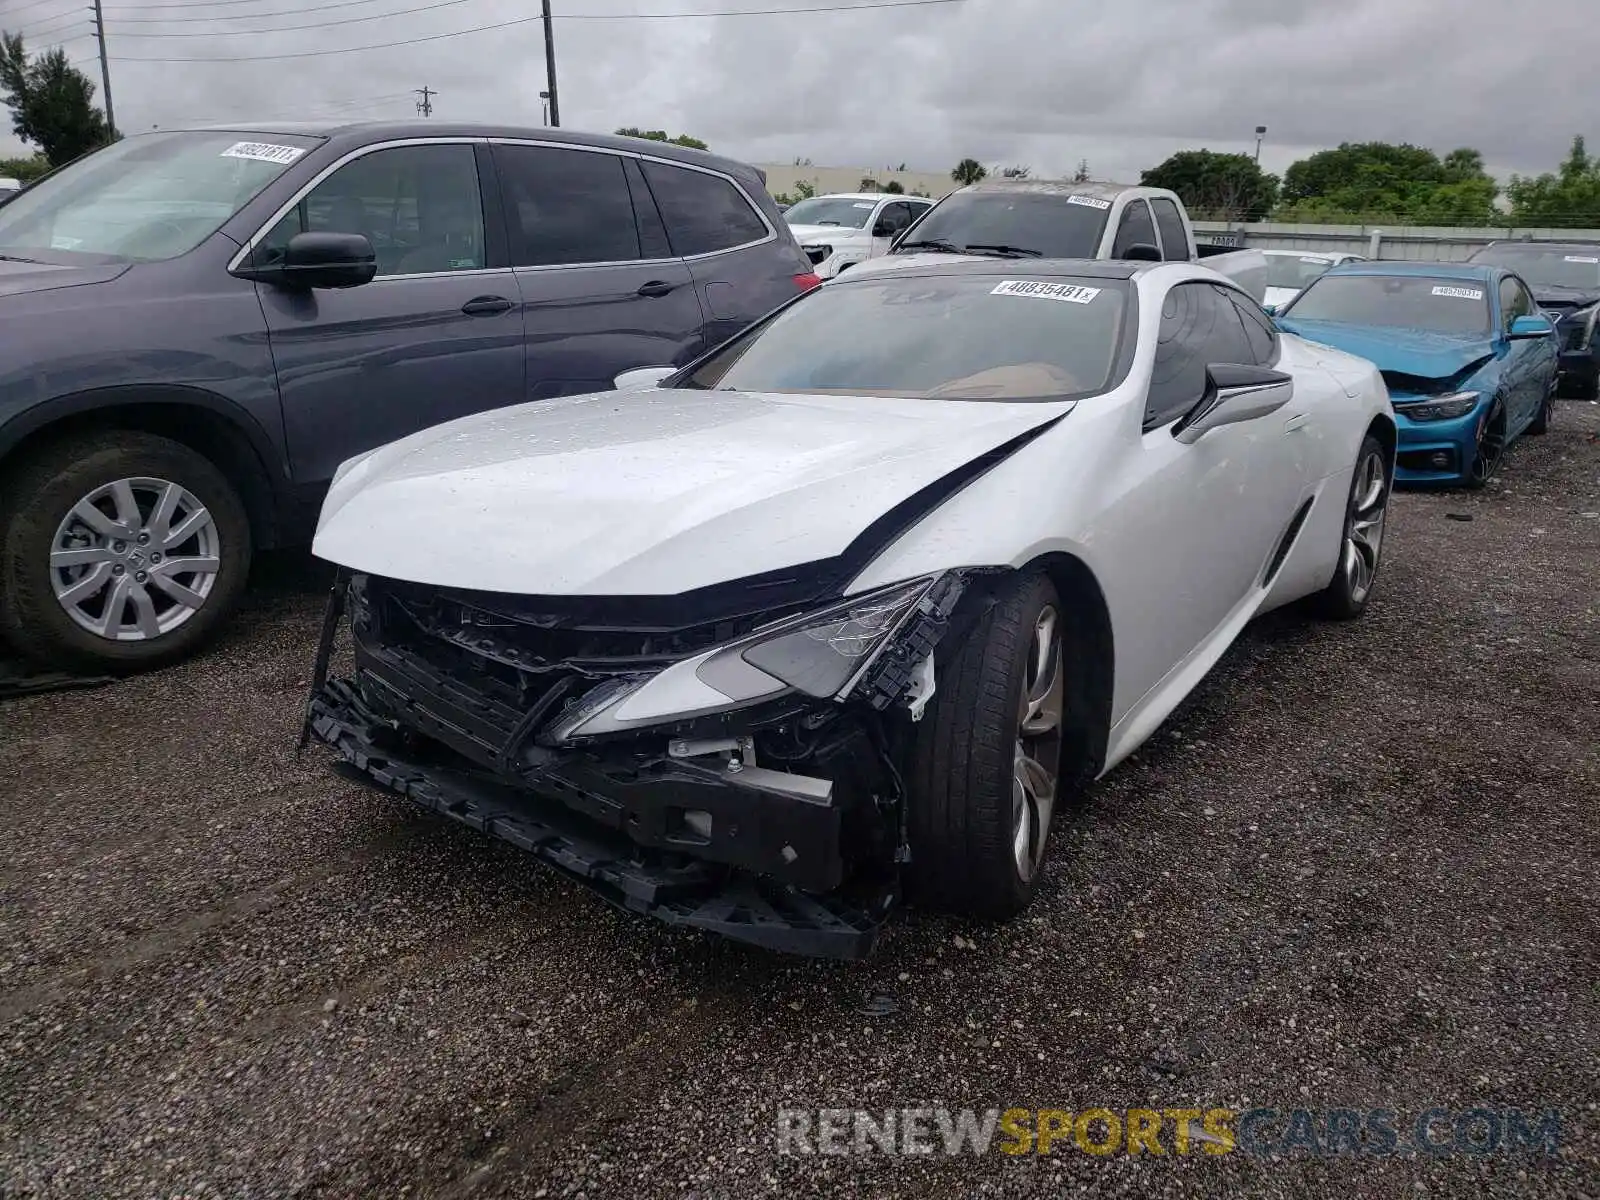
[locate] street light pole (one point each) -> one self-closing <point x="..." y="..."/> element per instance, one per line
<point x="550" y="63"/>
<point x="1261" y="132"/>
<point x="105" y="67"/>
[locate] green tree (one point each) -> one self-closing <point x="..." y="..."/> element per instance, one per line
<point x="660" y="135"/>
<point x="1569" y="199"/>
<point x="1231" y="186"/>
<point x="1361" y="181"/>
<point x="968" y="170"/>
<point x="894" y="187"/>
<point x="24" y="170"/>
<point x="51" y="102"/>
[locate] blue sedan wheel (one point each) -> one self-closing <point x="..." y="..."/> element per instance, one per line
<point x="1491" y="447"/>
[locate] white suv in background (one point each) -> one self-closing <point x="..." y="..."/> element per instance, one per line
<point x="841" y="230"/>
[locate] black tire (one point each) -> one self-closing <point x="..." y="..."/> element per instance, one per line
<point x="1541" y="423"/>
<point x="1490" y="451"/>
<point x="959" y="817"/>
<point x="1348" y="595"/>
<point x="39" y="497"/>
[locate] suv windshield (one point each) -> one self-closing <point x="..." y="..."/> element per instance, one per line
<point x="1050" y="224"/>
<point x="144" y="198"/>
<point x="1293" y="271"/>
<point x="950" y="337"/>
<point x="831" y="210"/>
<point x="1575" y="267"/>
<point x="1459" y="306"/>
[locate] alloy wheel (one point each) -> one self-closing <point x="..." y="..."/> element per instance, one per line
<point x="1037" y="759"/>
<point x="1363" y="539"/>
<point x="135" y="559"/>
<point x="1491" y="446"/>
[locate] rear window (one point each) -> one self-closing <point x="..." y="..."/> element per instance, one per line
<point x="947" y="337"/>
<point x="1048" y="224"/>
<point x="1459" y="306"/>
<point x="704" y="213"/>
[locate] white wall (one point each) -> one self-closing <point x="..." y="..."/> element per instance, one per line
<point x="782" y="177"/>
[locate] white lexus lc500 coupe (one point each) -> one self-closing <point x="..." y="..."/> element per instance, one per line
<point x="842" y="610"/>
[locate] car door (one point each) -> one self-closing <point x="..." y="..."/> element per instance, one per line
<point x="1205" y="516"/>
<point x="892" y="218"/>
<point x="601" y="290"/>
<point x="1135" y="229"/>
<point x="1531" y="361"/>
<point x="436" y="335"/>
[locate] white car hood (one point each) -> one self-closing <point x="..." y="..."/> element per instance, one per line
<point x="826" y="233"/>
<point x="647" y="493"/>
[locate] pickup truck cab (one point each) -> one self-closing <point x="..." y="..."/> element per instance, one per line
<point x="841" y="231"/>
<point x="1031" y="218"/>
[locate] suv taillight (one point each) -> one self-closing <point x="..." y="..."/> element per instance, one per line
<point x="807" y="281"/>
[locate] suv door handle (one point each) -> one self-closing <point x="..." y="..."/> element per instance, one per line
<point x="484" y="306"/>
<point x="656" y="287"/>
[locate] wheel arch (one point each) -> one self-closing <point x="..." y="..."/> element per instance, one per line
<point x="1383" y="428"/>
<point x="1091" y="656"/>
<point x="208" y="424"/>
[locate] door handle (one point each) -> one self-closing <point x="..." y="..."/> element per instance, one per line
<point x="1298" y="421"/>
<point x="486" y="306"/>
<point x="656" y="287"/>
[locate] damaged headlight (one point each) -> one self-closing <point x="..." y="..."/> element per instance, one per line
<point x="821" y="654"/>
<point x="1442" y="408"/>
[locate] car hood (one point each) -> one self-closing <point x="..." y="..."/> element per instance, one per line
<point x="1566" y="297"/>
<point x="1418" y="352"/>
<point x="24" y="278"/>
<point x="898" y="262"/>
<point x="825" y="233"/>
<point x="652" y="493"/>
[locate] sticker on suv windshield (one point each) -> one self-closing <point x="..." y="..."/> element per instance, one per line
<point x="1459" y="293"/>
<point x="1070" y="292"/>
<point x="263" y="151"/>
<point x="1583" y="258"/>
<point x="1089" y="201"/>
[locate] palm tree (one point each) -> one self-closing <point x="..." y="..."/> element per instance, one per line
<point x="968" y="170"/>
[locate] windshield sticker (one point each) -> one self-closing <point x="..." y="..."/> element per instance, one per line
<point x="1089" y="202"/>
<point x="862" y="204"/>
<point x="264" y="151"/>
<point x="1070" y="292"/>
<point x="1459" y="293"/>
<point x="1583" y="258"/>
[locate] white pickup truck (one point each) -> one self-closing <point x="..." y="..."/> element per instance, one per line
<point x="1028" y="218"/>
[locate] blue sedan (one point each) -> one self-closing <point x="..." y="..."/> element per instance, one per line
<point x="1470" y="362"/>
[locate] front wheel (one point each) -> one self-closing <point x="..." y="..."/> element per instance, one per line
<point x="986" y="759"/>
<point x="1541" y="423"/>
<point x="1490" y="448"/>
<point x="122" y="551"/>
<point x="1361" y="541"/>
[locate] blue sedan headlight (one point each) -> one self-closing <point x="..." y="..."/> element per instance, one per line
<point x="1442" y="408"/>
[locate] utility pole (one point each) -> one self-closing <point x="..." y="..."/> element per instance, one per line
<point x="105" y="66"/>
<point x="425" y="105"/>
<point x="549" y="63"/>
<point x="1261" y="132"/>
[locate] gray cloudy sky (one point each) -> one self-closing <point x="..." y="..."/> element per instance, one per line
<point x="1043" y="82"/>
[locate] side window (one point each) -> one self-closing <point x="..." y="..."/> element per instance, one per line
<point x="1198" y="327"/>
<point x="1514" y="302"/>
<point x="1259" y="331"/>
<point x="566" y="206"/>
<point x="653" y="242"/>
<point x="1174" y="242"/>
<point x="419" y="206"/>
<point x="704" y="213"/>
<point x="1136" y="229"/>
<point x="896" y="217"/>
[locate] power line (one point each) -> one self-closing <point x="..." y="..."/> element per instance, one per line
<point x="437" y="37"/>
<point x="21" y="8"/>
<point x="282" y="12"/>
<point x="221" y="33"/>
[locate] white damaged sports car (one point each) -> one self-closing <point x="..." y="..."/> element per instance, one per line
<point x="844" y="609"/>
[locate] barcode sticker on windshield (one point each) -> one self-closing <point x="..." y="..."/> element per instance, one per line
<point x="264" y="151"/>
<point x="1583" y="258"/>
<point x="1089" y="201"/>
<point x="1459" y="293"/>
<point x="1070" y="292"/>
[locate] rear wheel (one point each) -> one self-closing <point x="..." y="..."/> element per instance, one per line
<point x="122" y="551"/>
<point x="987" y="757"/>
<point x="1361" y="543"/>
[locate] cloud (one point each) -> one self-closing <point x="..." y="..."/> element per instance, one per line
<point x="1045" y="82"/>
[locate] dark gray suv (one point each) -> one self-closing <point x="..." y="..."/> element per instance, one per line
<point x="201" y="325"/>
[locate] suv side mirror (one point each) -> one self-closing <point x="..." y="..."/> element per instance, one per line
<point x="885" y="229"/>
<point x="319" y="260"/>
<point x="1234" y="392"/>
<point x="641" y="378"/>
<point x="1530" y="327"/>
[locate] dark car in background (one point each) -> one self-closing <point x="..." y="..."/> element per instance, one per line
<point x="201" y="325"/>
<point x="1565" y="278"/>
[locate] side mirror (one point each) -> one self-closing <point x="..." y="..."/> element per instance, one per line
<point x="319" y="260"/>
<point x="1234" y="392"/>
<point x="1270" y="309"/>
<point x="1530" y="327"/>
<point x="1142" y="252"/>
<point x="641" y="379"/>
<point x="885" y="229"/>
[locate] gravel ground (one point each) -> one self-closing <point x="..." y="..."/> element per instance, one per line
<point x="1358" y="869"/>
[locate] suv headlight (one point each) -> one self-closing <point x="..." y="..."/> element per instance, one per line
<point x="821" y="654"/>
<point x="1441" y="408"/>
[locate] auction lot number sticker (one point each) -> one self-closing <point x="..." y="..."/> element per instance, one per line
<point x="1072" y="293"/>
<point x="263" y="152"/>
<point x="1459" y="293"/>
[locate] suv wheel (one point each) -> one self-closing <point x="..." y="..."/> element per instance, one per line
<point x="121" y="551"/>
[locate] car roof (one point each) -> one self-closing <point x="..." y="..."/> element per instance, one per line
<point x="1058" y="187"/>
<point x="1053" y="268"/>
<point x="1308" y="253"/>
<point x="354" y="134"/>
<point x="855" y="196"/>
<point x="1481" y="272"/>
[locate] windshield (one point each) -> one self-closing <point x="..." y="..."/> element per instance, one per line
<point x="1050" y="224"/>
<point x="954" y="337"/>
<point x="1458" y="306"/>
<point x="144" y="198"/>
<point x="1293" y="271"/>
<point x="831" y="210"/>
<point x="1548" y="266"/>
